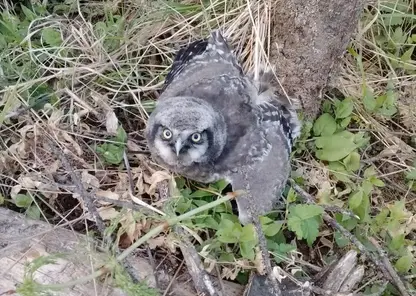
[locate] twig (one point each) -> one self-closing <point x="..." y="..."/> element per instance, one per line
<point x="152" y="263"/>
<point x="124" y="204"/>
<point x="321" y="291"/>
<point x="80" y="190"/>
<point x="381" y="291"/>
<point x="200" y="277"/>
<point x="173" y="278"/>
<point x="89" y="201"/>
<point x="395" y="277"/>
<point x="380" y="264"/>
<point x="265" y="255"/>
<point x="311" y="200"/>
<point x="336" y="209"/>
<point x="217" y="269"/>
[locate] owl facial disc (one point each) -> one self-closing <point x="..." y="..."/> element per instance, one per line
<point x="185" y="130"/>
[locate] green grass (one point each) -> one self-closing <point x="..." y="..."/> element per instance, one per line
<point x="87" y="81"/>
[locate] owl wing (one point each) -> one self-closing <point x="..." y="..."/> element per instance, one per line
<point x="184" y="55"/>
<point x="264" y="179"/>
<point x="212" y="53"/>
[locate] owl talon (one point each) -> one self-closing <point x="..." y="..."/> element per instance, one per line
<point x="235" y="194"/>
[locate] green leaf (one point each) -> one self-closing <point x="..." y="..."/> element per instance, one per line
<point x="397" y="242"/>
<point x="370" y="171"/>
<point x="367" y="187"/>
<point x="33" y="212"/>
<point x="407" y="55"/>
<point x="229" y="232"/>
<point x="227" y="257"/>
<point x="335" y="147"/>
<point x="30" y="16"/>
<point x="291" y="196"/>
<point x="404" y="263"/>
<point x="112" y="153"/>
<point x="305" y="220"/>
<point x="398" y="36"/>
<point x="183" y="205"/>
<point x="23" y="200"/>
<point x="325" y="125"/>
<point x="286" y="248"/>
<point x="345" y="122"/>
<point x="248" y="233"/>
<point x="376" y="182"/>
<point x="264" y="221"/>
<point x="341" y="240"/>
<point x="273" y="228"/>
<point x="363" y="209"/>
<point x="199" y="202"/>
<point x="355" y="199"/>
<point x="411" y="175"/>
<point x="210" y="222"/>
<point x="381" y="217"/>
<point x="247" y="249"/>
<point x="200" y="193"/>
<point x="344" y="109"/>
<point x="51" y="36"/>
<point x="368" y="99"/>
<point x="180" y="182"/>
<point x="231" y="217"/>
<point x="121" y="135"/>
<point x="1" y="199"/>
<point x="352" y="161"/>
<point x="338" y="170"/>
<point x="220" y="185"/>
<point x="360" y="139"/>
<point x="348" y="222"/>
<point x="398" y="211"/>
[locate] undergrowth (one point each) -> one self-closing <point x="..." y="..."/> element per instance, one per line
<point x="85" y="76"/>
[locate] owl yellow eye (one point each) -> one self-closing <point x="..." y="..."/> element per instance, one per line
<point x="167" y="134"/>
<point x="196" y="137"/>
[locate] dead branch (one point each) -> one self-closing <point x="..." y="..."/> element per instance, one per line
<point x="88" y="199"/>
<point x="79" y="188"/>
<point x="202" y="281"/>
<point x="395" y="277"/>
<point x="381" y="264"/>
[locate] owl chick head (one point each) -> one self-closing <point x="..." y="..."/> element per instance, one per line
<point x="182" y="131"/>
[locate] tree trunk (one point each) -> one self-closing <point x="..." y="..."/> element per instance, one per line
<point x="309" y="38"/>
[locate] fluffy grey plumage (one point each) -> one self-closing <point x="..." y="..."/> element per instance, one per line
<point x="212" y="121"/>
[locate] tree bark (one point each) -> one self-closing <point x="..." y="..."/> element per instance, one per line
<point x="308" y="40"/>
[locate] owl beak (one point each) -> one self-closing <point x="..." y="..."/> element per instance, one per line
<point x="178" y="146"/>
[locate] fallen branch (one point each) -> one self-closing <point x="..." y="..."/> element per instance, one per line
<point x="390" y="268"/>
<point x="389" y="274"/>
<point x="201" y="279"/>
<point x="79" y="188"/>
